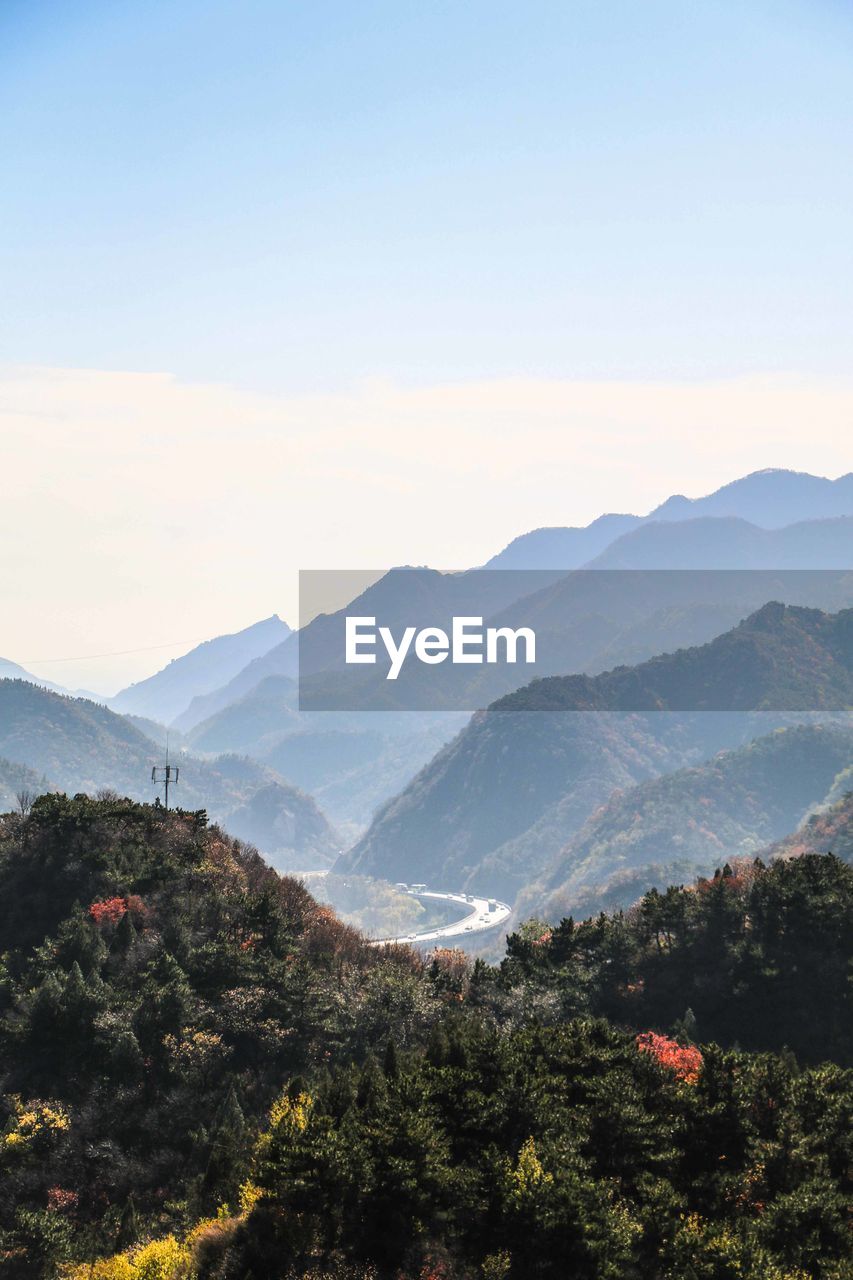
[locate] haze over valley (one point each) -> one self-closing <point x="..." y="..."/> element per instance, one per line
<point x="562" y="790"/>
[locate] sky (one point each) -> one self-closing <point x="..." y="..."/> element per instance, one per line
<point x="352" y="284"/>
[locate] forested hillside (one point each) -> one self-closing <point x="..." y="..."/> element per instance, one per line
<point x="493" y="809"/>
<point x="829" y="830"/>
<point x="206" y="1077"/>
<point x="158" y="984"/>
<point x="732" y="805"/>
<point x="780" y="658"/>
<point x="759" y="956"/>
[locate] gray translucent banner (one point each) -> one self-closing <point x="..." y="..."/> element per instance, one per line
<point x="631" y="640"/>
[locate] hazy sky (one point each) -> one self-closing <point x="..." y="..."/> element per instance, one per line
<point x="343" y="284"/>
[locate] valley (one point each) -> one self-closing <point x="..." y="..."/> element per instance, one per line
<point x="661" y="649"/>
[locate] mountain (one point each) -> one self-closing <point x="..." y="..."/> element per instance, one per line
<point x="352" y="771"/>
<point x="351" y="763"/>
<point x="589" y="621"/>
<point x="697" y="818"/>
<point x="780" y="658"/>
<point x="11" y="671"/>
<point x="286" y="823"/>
<point x="153" y="729"/>
<point x="557" y="548"/>
<point x="396" y="598"/>
<point x="768" y="499"/>
<point x="829" y="829"/>
<point x="164" y="695"/>
<point x="79" y="745"/>
<point x="730" y="543"/>
<point x="493" y="808"/>
<point x="82" y="746"/>
<point x="280" y="663"/>
<point x="251" y="722"/>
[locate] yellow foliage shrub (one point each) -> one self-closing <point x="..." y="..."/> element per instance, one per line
<point x="165" y="1259"/>
<point x="33" y="1120"/>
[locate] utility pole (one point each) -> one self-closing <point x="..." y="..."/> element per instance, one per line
<point x="165" y="774"/>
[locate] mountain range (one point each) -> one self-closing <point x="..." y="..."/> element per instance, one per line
<point x="494" y="808"/>
<point x="770" y="520"/>
<point x="768" y="499"/>
<point x="625" y="604"/>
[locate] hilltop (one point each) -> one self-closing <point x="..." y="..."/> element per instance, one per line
<point x="181" y="981"/>
<point x="82" y="746"/>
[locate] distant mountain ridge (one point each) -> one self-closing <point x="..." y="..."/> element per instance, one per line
<point x="282" y="661"/>
<point x="12" y="671"/>
<point x="730" y="542"/>
<point x="558" y="548"/>
<point x="206" y="667"/>
<point x="757" y="503"/>
<point x="740" y="514"/>
<point x="768" y="499"/>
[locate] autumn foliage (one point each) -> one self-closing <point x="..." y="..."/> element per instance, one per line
<point x="685" y="1061"/>
<point x="112" y="910"/>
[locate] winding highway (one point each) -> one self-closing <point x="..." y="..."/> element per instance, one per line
<point x="478" y="919"/>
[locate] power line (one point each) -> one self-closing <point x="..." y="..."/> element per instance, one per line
<point x="116" y="653"/>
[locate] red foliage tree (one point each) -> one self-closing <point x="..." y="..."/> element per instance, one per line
<point x="111" y="910"/>
<point x="685" y="1061"/>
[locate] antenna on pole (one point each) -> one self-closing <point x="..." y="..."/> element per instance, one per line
<point x="165" y="775"/>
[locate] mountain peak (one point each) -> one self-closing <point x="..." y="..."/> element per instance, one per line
<point x="770" y="498"/>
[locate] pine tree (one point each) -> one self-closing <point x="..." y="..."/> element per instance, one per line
<point x="125" y="935"/>
<point x="390" y="1065"/>
<point x="229" y="1143"/>
<point x="128" y="1229"/>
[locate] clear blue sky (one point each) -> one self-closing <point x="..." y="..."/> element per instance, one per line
<point x="294" y="196"/>
<point x="371" y="282"/>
